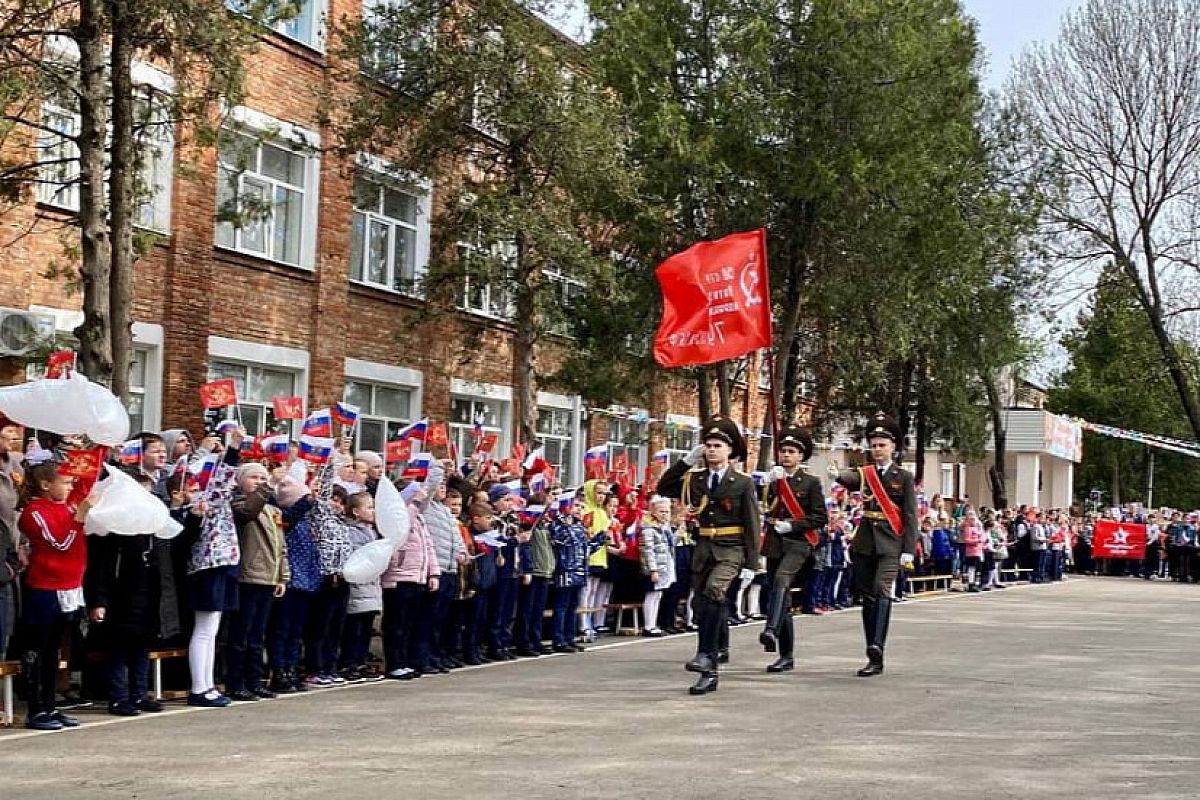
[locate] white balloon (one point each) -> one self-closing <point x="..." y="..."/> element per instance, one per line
<point x="123" y="507"/>
<point x="391" y="515"/>
<point x="67" y="406"/>
<point x="369" y="561"/>
<point x="170" y="530"/>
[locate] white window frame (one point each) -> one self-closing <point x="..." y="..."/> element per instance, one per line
<point x="377" y="171"/>
<point x="568" y="473"/>
<point x="387" y="376"/>
<point x="268" y="131"/>
<point x="635" y="453"/>
<point x="320" y="13"/>
<point x="460" y="433"/>
<point x="58" y="183"/>
<point x="569" y="289"/>
<point x="253" y="354"/>
<point x="491" y="296"/>
<point x="682" y="422"/>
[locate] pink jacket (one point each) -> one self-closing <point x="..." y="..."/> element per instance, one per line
<point x="973" y="539"/>
<point x="415" y="561"/>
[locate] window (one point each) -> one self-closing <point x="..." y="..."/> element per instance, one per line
<point x="256" y="387"/>
<point x="386" y="235"/>
<point x="265" y="198"/>
<point x="463" y="413"/>
<point x="383" y="411"/>
<point x="681" y="439"/>
<point x="625" y="437"/>
<point x="298" y="19"/>
<point x="156" y="148"/>
<point x="764" y="372"/>
<point x="556" y="432"/>
<point x="137" y="390"/>
<point x="490" y="298"/>
<point x="388" y="35"/>
<point x="567" y="293"/>
<point x="58" y="156"/>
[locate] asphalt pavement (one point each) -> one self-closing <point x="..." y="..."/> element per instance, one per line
<point x="1086" y="689"/>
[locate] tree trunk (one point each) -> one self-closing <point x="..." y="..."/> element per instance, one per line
<point x="922" y="433"/>
<point x="704" y="393"/>
<point x="122" y="197"/>
<point x="999" y="441"/>
<point x="724" y="390"/>
<point x="904" y="401"/>
<point x="1175" y="368"/>
<point x="94" y="333"/>
<point x="524" y="342"/>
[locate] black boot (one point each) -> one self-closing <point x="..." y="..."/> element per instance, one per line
<point x="786" y="642"/>
<point x="878" y="638"/>
<point x="707" y="639"/>
<point x="776" y="610"/>
<point x="723" y="636"/>
<point x="707" y="682"/>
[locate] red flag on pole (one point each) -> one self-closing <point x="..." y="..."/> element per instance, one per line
<point x="1118" y="540"/>
<point x="60" y="363"/>
<point x="288" y="407"/>
<point x="437" y="436"/>
<point x="219" y="394"/>
<point x="716" y="304"/>
<point x="398" y="450"/>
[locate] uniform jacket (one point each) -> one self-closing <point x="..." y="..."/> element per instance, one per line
<point x="807" y="489"/>
<point x="875" y="537"/>
<point x="734" y="503"/>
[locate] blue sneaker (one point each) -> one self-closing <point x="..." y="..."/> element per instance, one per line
<point x="210" y="699"/>
<point x="64" y="720"/>
<point x="43" y="722"/>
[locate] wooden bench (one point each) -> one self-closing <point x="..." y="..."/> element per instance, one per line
<point x="156" y="659"/>
<point x="919" y="583"/>
<point x="7" y="670"/>
<point x="620" y="628"/>
<point x="1017" y="573"/>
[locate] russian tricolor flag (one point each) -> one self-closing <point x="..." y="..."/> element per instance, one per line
<point x="203" y="469"/>
<point x="315" y="449"/>
<point x="565" y="501"/>
<point x="596" y="454"/>
<point x="418" y="467"/>
<point x="131" y="452"/>
<point x="662" y="457"/>
<point x="319" y="424"/>
<point x="275" y="445"/>
<point x="345" y="414"/>
<point x="416" y="430"/>
<point x="537" y="483"/>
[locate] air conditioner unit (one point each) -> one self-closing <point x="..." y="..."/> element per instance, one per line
<point x="24" y="332"/>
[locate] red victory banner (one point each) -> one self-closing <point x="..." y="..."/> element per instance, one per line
<point x="288" y="407"/>
<point x="398" y="450"/>
<point x="83" y="463"/>
<point x="487" y="443"/>
<point x="1118" y="540"/>
<point x="218" y="394"/>
<point x="716" y="304"/>
<point x="60" y="363"/>
<point x="437" y="435"/>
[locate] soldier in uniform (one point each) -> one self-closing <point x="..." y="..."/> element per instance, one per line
<point x="886" y="537"/>
<point x="790" y="538"/>
<point x="725" y="505"/>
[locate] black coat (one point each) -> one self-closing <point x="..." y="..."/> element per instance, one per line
<point x="123" y="578"/>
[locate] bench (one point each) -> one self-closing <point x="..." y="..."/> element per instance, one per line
<point x="928" y="583"/>
<point x="7" y="670"/>
<point x="156" y="659"/>
<point x="1016" y="573"/>
<point x="621" y="629"/>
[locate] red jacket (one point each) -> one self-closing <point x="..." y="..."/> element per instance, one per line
<point x="58" y="553"/>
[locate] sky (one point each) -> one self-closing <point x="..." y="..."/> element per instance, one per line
<point x="1007" y="27"/>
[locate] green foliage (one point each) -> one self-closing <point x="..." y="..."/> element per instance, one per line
<point x="1116" y="378"/>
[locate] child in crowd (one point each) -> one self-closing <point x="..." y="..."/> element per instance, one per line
<point x="213" y="569"/>
<point x="327" y="617"/>
<point x="572" y="548"/>
<point x="52" y="524"/>
<point x="972" y="540"/>
<point x="410" y="578"/>
<point x="595" y="518"/>
<point x="304" y="566"/>
<point x="365" y="599"/>
<point x="532" y="605"/>
<point x="656" y="543"/>
<point x="480" y="517"/>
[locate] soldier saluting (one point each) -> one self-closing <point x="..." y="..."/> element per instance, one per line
<point x="796" y="519"/>
<point x="725" y="505"/>
<point x="886" y="537"/>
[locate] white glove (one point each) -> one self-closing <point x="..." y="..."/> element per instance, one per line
<point x="778" y="473"/>
<point x="906" y="559"/>
<point x="783" y="527"/>
<point x="746" y="575"/>
<point x="693" y="458"/>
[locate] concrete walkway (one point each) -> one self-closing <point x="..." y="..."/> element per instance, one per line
<point x="1089" y="689"/>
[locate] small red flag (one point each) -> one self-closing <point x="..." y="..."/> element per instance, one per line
<point x="437" y="435"/>
<point x="510" y="466"/>
<point x="716" y="304"/>
<point x="83" y="463"/>
<point x="288" y="407"/>
<point x="487" y="443"/>
<point x="60" y="363"/>
<point x="219" y="394"/>
<point x="398" y="450"/>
